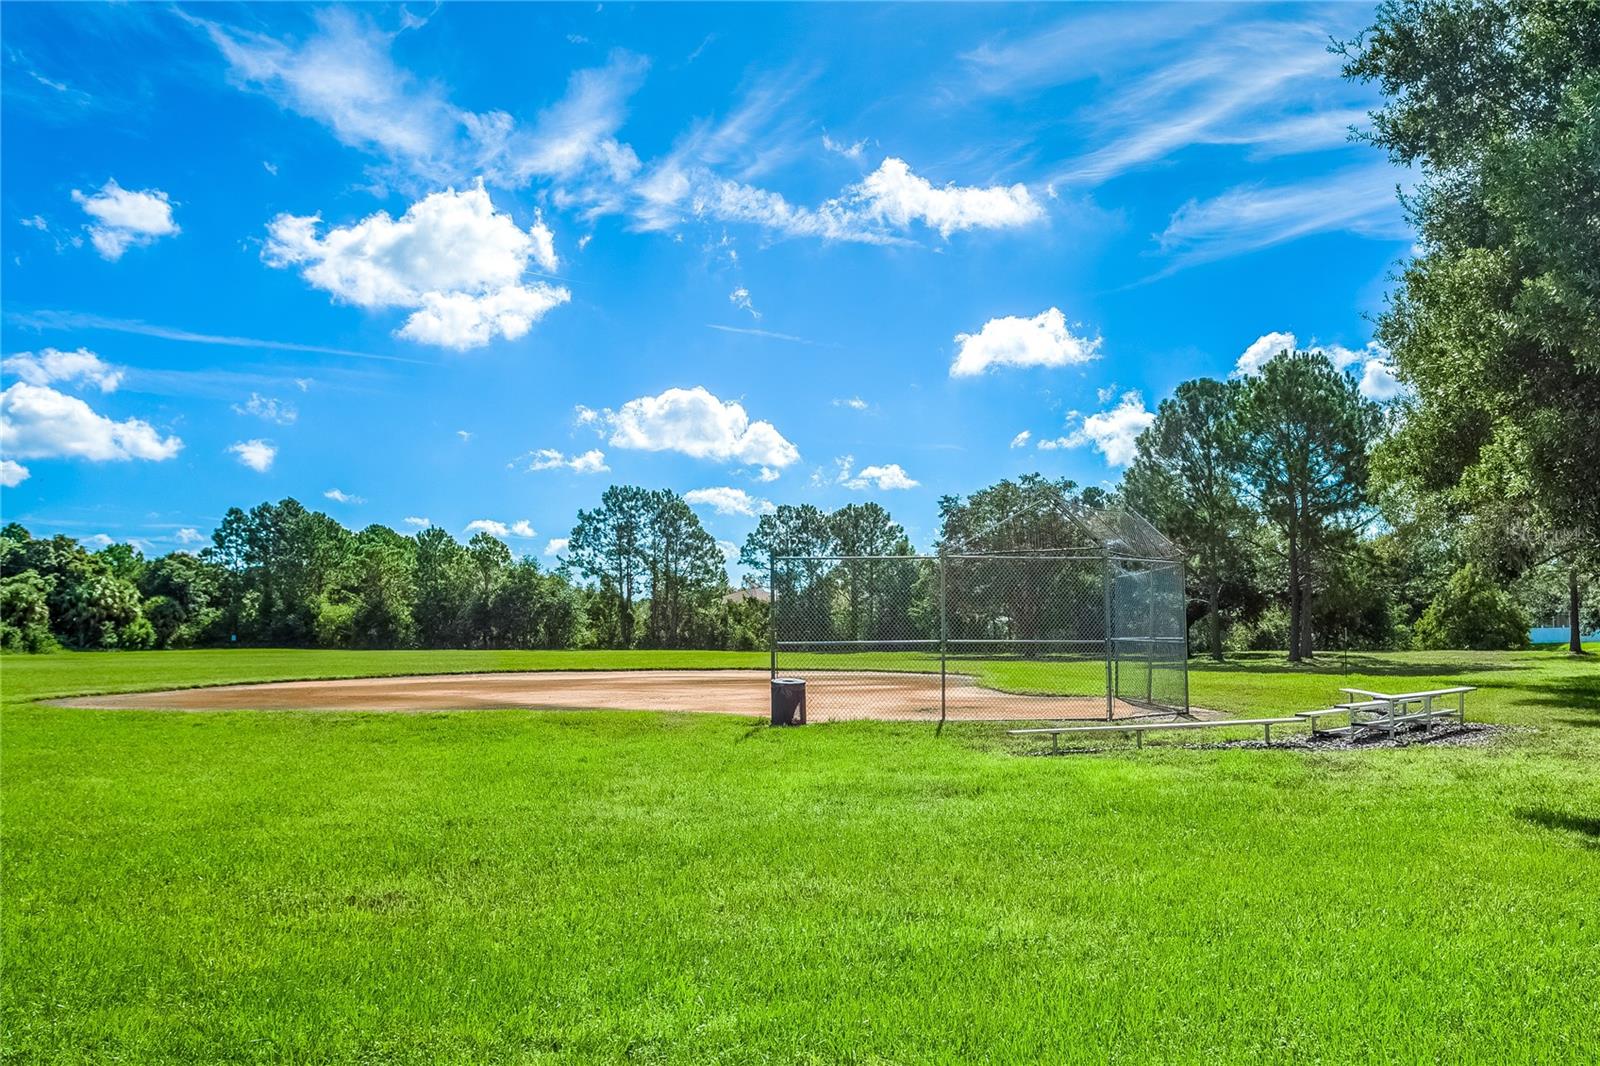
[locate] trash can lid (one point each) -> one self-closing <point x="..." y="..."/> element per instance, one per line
<point x="788" y="681"/>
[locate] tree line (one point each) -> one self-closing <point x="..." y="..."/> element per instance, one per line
<point x="1300" y="533"/>
<point x="283" y="575"/>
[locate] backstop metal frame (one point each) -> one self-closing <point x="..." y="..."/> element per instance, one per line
<point x="1016" y="634"/>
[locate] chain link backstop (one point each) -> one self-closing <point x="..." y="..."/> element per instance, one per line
<point x="997" y="637"/>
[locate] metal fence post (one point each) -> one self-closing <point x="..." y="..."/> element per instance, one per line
<point x="1150" y="631"/>
<point x="1107" y="630"/>
<point x="772" y="608"/>
<point x="944" y="638"/>
<point x="1183" y="586"/>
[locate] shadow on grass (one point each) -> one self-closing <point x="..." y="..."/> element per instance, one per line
<point x="1566" y="695"/>
<point x="1334" y="664"/>
<point x="1561" y="820"/>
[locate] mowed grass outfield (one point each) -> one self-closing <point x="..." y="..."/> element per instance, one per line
<point x="528" y="886"/>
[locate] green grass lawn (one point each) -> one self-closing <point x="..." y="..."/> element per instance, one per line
<point x="549" y="886"/>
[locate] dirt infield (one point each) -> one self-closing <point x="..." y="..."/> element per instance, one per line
<point x="840" y="696"/>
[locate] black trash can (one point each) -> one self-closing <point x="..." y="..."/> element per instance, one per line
<point x="788" y="701"/>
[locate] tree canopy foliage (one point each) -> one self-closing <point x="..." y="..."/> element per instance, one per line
<point x="1495" y="325"/>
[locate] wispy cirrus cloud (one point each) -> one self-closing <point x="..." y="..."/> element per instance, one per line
<point x="268" y="409"/>
<point x="1168" y="81"/>
<point x="1359" y="199"/>
<point x="1264" y="87"/>
<point x="752" y="332"/>
<point x="73" y="320"/>
<point x="344" y="76"/>
<point x="1087" y="43"/>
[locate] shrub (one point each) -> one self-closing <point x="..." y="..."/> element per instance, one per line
<point x="1268" y="631"/>
<point x="25" y="613"/>
<point x="137" y="635"/>
<point x="1472" y="612"/>
<point x="336" y="624"/>
<point x="165" y="615"/>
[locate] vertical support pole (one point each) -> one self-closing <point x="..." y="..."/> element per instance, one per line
<point x="772" y="609"/>
<point x="1150" y="634"/>
<point x="1106" y="630"/>
<point x="944" y="638"/>
<point x="1183" y="586"/>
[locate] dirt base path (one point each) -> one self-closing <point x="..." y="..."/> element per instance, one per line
<point x="839" y="696"/>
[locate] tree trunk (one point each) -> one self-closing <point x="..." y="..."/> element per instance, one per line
<point x="1294" y="598"/>
<point x="1215" y="618"/>
<point x="1307" y="650"/>
<point x="1574" y="624"/>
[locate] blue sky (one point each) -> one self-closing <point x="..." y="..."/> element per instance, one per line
<point x="473" y="264"/>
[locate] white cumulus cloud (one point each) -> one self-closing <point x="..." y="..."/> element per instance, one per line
<point x="1113" y="433"/>
<point x="1043" y="340"/>
<point x="1379" y="381"/>
<point x="894" y="194"/>
<point x="730" y="501"/>
<point x="495" y="528"/>
<point x="189" y="535"/>
<point x="592" y="461"/>
<point x="556" y="546"/>
<point x="697" y="424"/>
<point x="418" y="521"/>
<point x="12" y="473"/>
<point x="452" y="259"/>
<point x="340" y="496"/>
<point x="1261" y="350"/>
<point x="1371" y="365"/>
<point x="50" y="366"/>
<point x="37" y="422"/>
<point x="880" y="209"/>
<point x="124" y="218"/>
<point x="256" y="453"/>
<point x="883" y="477"/>
<point x="886" y="477"/>
<point x="1021" y="438"/>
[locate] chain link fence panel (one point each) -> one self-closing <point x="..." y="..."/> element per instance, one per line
<point x="1006" y="637"/>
